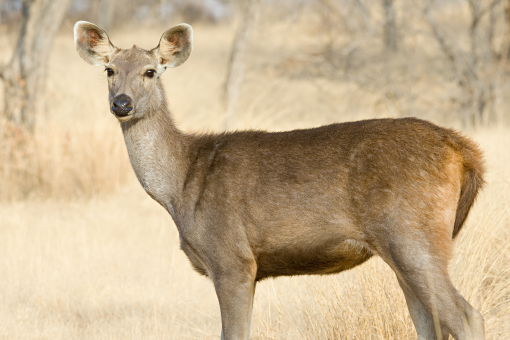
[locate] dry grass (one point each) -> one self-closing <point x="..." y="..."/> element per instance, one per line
<point x="61" y="163"/>
<point x="107" y="265"/>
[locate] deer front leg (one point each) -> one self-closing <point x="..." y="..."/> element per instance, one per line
<point x="235" y="292"/>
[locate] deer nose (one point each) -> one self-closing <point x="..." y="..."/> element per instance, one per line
<point x="121" y="105"/>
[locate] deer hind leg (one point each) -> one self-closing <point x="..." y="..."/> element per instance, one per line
<point x="423" y="275"/>
<point x="423" y="321"/>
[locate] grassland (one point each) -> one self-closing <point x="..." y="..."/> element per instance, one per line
<point x="85" y="254"/>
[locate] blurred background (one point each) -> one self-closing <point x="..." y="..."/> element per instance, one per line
<point x="256" y="63"/>
<point x="259" y="64"/>
<point x="84" y="253"/>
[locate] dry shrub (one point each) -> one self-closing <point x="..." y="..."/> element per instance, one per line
<point x="60" y="162"/>
<point x="367" y="304"/>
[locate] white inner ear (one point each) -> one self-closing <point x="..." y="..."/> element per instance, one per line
<point x="160" y="69"/>
<point x="104" y="50"/>
<point x="166" y="51"/>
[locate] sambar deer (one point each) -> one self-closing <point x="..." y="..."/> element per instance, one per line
<point x="252" y="204"/>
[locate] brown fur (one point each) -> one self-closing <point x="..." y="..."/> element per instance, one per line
<point x="252" y="204"/>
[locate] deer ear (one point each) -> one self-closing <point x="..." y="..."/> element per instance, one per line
<point x="92" y="43"/>
<point x="175" y="46"/>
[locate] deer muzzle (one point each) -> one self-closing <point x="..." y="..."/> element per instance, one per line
<point x="121" y="107"/>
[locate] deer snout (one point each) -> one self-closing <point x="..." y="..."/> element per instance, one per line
<point x="121" y="105"/>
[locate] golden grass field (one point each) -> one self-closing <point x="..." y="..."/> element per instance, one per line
<point x="86" y="254"/>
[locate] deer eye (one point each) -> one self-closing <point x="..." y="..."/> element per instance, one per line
<point x="109" y="72"/>
<point x="150" y="73"/>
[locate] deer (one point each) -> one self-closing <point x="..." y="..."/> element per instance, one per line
<point x="251" y="205"/>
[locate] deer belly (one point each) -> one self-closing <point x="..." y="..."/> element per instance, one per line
<point x="311" y="259"/>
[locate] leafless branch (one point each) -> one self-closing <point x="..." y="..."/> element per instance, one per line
<point x="235" y="72"/>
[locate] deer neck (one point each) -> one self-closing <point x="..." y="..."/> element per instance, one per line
<point x="158" y="152"/>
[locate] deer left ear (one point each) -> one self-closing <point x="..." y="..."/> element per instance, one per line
<point x="92" y="43"/>
<point x="175" y="46"/>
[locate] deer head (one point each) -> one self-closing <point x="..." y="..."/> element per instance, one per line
<point x="133" y="74"/>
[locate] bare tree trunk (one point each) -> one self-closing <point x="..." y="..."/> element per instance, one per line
<point x="25" y="75"/>
<point x="472" y="67"/>
<point x="390" y="27"/>
<point x="105" y="14"/>
<point x="235" y="72"/>
<point x="506" y="41"/>
<point x="493" y="17"/>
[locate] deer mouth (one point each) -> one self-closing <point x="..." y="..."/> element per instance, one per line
<point x="123" y="118"/>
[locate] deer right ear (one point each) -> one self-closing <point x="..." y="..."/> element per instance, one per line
<point x="92" y="43"/>
<point x="174" y="46"/>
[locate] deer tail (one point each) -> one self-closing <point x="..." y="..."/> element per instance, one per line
<point x="472" y="182"/>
